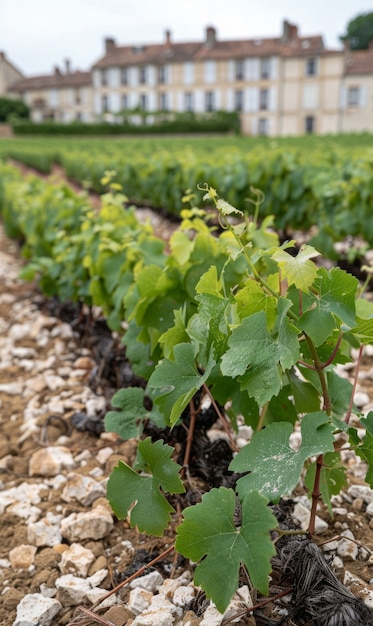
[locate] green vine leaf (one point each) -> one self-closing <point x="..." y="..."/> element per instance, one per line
<point x="298" y="270"/>
<point x="178" y="381"/>
<point x="336" y="292"/>
<point x="208" y="530"/>
<point x="140" y="496"/>
<point x="256" y="356"/>
<point x="364" y="447"/>
<point x="363" y="332"/>
<point x="274" y="467"/>
<point x="127" y="422"/>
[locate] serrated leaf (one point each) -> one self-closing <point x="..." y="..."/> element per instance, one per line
<point x="332" y="478"/>
<point x="257" y="356"/>
<point x="208" y="532"/>
<point x="141" y="495"/>
<point x="127" y="422"/>
<point x="210" y="283"/>
<point x="174" y="335"/>
<point x="336" y="297"/>
<point x="178" y="381"/>
<point x="274" y="467"/>
<point x="298" y="270"/>
<point x="363" y="331"/>
<point x="227" y="209"/>
<point x="364" y="447"/>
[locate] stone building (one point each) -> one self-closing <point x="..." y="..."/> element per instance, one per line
<point x="286" y="85"/>
<point x="9" y="74"/>
<point x="63" y="96"/>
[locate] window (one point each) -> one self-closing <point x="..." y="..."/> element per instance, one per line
<point x="142" y="75"/>
<point x="78" y="117"/>
<point x="263" y="126"/>
<point x="311" y="67"/>
<point x="353" y="96"/>
<point x="188" y="72"/>
<point x="188" y="101"/>
<point x="104" y="78"/>
<point x="310" y="124"/>
<point x="210" y="71"/>
<point x="238" y="100"/>
<point x="124" y="76"/>
<point x="124" y="102"/>
<point x="143" y="102"/>
<point x="53" y="98"/>
<point x="263" y="99"/>
<point x="105" y="104"/>
<point x="209" y="101"/>
<point x="162" y="75"/>
<point x="163" y="102"/>
<point x="265" y="68"/>
<point x="78" y="99"/>
<point x="240" y="74"/>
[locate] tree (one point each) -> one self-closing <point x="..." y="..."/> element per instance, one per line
<point x="12" y="108"/>
<point x="359" y="31"/>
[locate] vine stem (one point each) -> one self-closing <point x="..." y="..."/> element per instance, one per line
<point x="222" y="419"/>
<point x="351" y="404"/>
<point x="192" y="423"/>
<point x="315" y="494"/>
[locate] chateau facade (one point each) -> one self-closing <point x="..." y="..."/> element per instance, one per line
<point x="287" y="85"/>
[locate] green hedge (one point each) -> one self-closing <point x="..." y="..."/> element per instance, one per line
<point x="216" y="122"/>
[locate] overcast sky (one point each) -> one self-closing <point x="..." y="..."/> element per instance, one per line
<point x="36" y="35"/>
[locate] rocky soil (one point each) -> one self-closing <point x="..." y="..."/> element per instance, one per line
<point x="61" y="549"/>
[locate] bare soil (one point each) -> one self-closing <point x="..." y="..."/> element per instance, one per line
<point x="15" y="584"/>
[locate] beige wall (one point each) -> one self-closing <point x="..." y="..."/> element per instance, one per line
<point x="63" y="105"/>
<point x="8" y="74"/>
<point x="359" y="117"/>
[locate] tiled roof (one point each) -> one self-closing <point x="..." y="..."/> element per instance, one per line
<point x="359" y="62"/>
<point x="51" y="81"/>
<point x="122" y="56"/>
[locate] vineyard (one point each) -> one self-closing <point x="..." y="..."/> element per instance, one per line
<point x="230" y="324"/>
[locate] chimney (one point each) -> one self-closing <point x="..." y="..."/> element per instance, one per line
<point x="109" y="44"/>
<point x="68" y="66"/>
<point x="168" y="38"/>
<point x="2" y="56"/>
<point x="210" y="36"/>
<point x="289" y="32"/>
<point x="57" y="71"/>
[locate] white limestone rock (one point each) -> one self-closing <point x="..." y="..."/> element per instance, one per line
<point x="139" y="600"/>
<point x="45" y="532"/>
<point x="76" y="560"/>
<point x="50" y="461"/>
<point x="22" y="556"/>
<point x="72" y="590"/>
<point x="150" y="582"/>
<point x="36" y="610"/>
<point x="94" y="524"/>
<point x="354" y="582"/>
<point x="184" y="595"/>
<point x="302" y="514"/>
<point x="12" y="389"/>
<point x="347" y="549"/>
<point x="361" y="491"/>
<point x="84" y="489"/>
